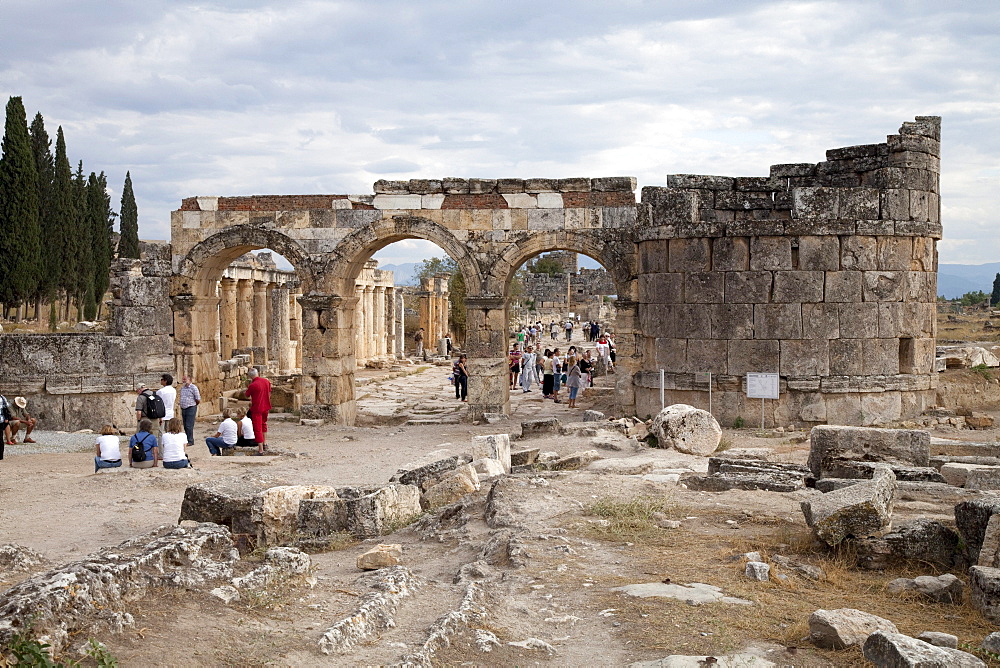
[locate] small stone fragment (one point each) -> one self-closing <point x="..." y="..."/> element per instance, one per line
<point x="381" y="556"/>
<point x="846" y="627"/>
<point x="860" y="510"/>
<point x="896" y="649"/>
<point x="942" y="589"/>
<point x="939" y="639"/>
<point x="758" y="570"/>
<point x="991" y="643"/>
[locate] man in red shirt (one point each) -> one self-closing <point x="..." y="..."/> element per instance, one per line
<point x="259" y="393"/>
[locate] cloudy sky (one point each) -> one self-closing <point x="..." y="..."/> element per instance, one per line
<point x="259" y="97"/>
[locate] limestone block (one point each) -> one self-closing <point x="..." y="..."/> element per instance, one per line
<point x="984" y="591"/>
<point x="966" y="357"/>
<point x="939" y="639"/>
<point x="777" y="321"/>
<point x="798" y="286"/>
<point x="815" y="202"/>
<point x="355" y="218"/>
<point x="396" y="202"/>
<point x="861" y="510"/>
<point x="703" y="287"/>
<point x="804" y="357"/>
<point x="574" y="461"/>
<point x="539" y="427"/>
<point x="883" y="286"/>
<point x="893" y="446"/>
<point x="692" y="321"/>
<point x="983" y="478"/>
<point x="386" y="187"/>
<point x="941" y="589"/>
<point x="545" y="219"/>
<point x="482" y="186"/>
<point x="653" y="256"/>
<point x="730" y="254"/>
<point x="770" y="253"/>
<point x="321" y="517"/>
<point x="843" y="286"/>
<point x="880" y="407"/>
<point x="488" y="468"/>
<point x="894" y="253"/>
<point x="524" y="457"/>
<point x="381" y="556"/>
<point x="922" y="540"/>
<point x="858" y="321"/>
<point x="880" y="357"/>
<point x="454" y="486"/>
<point x="613" y="184"/>
<point x="573" y="184"/>
<point x="820" y="321"/>
<point x="891" y="316"/>
<point x="843" y="628"/>
<point x="376" y="512"/>
<point x="670" y="353"/>
<point x="275" y="511"/>
<point x="989" y="554"/>
<point x="748" y="287"/>
<point x="760" y="356"/>
<point x="429" y="474"/>
<point x="956" y="473"/>
<point x="758" y="570"/>
<point x="819" y="253"/>
<point x="731" y="321"/>
<point x="858" y="253"/>
<point x="671" y="207"/>
<point x="687" y="255"/>
<point x="706" y="355"/>
<point x="896" y="649"/>
<point x="226" y="501"/>
<point x="550" y="200"/>
<point x="686" y="429"/>
<point x="493" y="446"/>
<point x="662" y="288"/>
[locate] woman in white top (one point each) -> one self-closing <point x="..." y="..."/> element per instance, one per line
<point x="107" y="449"/>
<point x="174" y="444"/>
<point x="225" y="437"/>
<point x="244" y="432"/>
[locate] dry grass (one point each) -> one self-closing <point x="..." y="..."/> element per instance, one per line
<point x="966" y="328"/>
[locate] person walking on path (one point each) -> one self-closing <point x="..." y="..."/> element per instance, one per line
<point x="259" y="393"/>
<point x="528" y="375"/>
<point x="190" y="398"/>
<point x="418" y="338"/>
<point x="514" y="364"/>
<point x="574" y="381"/>
<point x="462" y="379"/>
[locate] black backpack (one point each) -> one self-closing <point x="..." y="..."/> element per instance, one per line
<point x="154" y="406"/>
<point x="139" y="448"/>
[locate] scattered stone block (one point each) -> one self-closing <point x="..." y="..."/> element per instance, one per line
<point x="942" y="589"/>
<point x="833" y="484"/>
<point x="939" y="639"/>
<point x="431" y="474"/>
<point x="743" y="660"/>
<point x="375" y="512"/>
<point x="321" y="517"/>
<point x="227" y="501"/>
<point x="989" y="553"/>
<point x="956" y="474"/>
<point x="979" y="421"/>
<point x="987" y="477"/>
<point x="381" y="556"/>
<point x="501" y="510"/>
<point x="972" y="518"/>
<point x="863" y="471"/>
<point x="312" y="422"/>
<point x="695" y="593"/>
<point x="454" y="486"/>
<point x="524" y="457"/>
<point x="593" y="416"/>
<point x="275" y="511"/>
<point x="539" y="427"/>
<point x="686" y="429"/>
<point x="577" y="460"/>
<point x="493" y="446"/>
<point x="991" y="643"/>
<point x="805" y="570"/>
<point x="758" y="570"/>
<point x="828" y="444"/>
<point x="861" y="511"/>
<point x="845" y="627"/>
<point x="896" y="649"/>
<point x="624" y="466"/>
<point x="984" y="591"/>
<point x="923" y="540"/>
<point x="489" y="468"/>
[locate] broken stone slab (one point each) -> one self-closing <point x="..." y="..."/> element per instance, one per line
<point x="983" y="478"/>
<point x="941" y="589"/>
<point x="939" y="639"/>
<point x="452" y="487"/>
<point x="896" y="649"/>
<point x="833" y="484"/>
<point x="966" y="357"/>
<point x="371" y="512"/>
<point x="845" y="627"/>
<point x="957" y="474"/>
<point x="19" y="559"/>
<point x="984" y="591"/>
<point x="805" y="570"/>
<point x="275" y="511"/>
<point x="577" y="460"/>
<point x="488" y="468"/>
<point x="492" y="446"/>
<point x="923" y="540"/>
<point x="95" y="593"/>
<point x="758" y="570"/>
<point x="935" y="492"/>
<point x="593" y="429"/>
<point x="828" y="444"/>
<point x="280" y="563"/>
<point x="759" y="454"/>
<point x="624" y="466"/>
<point x="539" y="427"/>
<point x="951" y="448"/>
<point x="376" y="613"/>
<point x="938" y="461"/>
<point x="504" y="548"/>
<point x="862" y="510"/>
<point x="524" y="457"/>
<point x="972" y="518"/>
<point x="743" y="660"/>
<point x="319" y="518"/>
<point x="381" y="556"/>
<point x="593" y="416"/>
<point x="228" y="501"/>
<point x="842" y="468"/>
<point x="695" y="593"/>
<point x="501" y="509"/>
<point x="766" y="481"/>
<point x="989" y="553"/>
<point x="431" y="474"/>
<point x="687" y="429"/>
<point x="727" y="464"/>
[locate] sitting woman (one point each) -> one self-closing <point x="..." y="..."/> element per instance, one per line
<point x="108" y="449"/>
<point x="175" y="445"/>
<point x="225" y="438"/>
<point x="244" y="430"/>
<point x="143" y="441"/>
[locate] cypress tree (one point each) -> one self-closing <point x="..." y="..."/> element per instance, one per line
<point x="100" y="218"/>
<point x="995" y="297"/>
<point x="83" y="261"/>
<point x="20" y="236"/>
<point x="63" y="214"/>
<point x="41" y="146"/>
<point x="128" y="245"/>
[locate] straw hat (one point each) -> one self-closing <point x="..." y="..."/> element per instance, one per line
<point x="20" y="402"/>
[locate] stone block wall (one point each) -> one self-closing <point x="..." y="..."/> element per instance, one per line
<point x="824" y="273"/>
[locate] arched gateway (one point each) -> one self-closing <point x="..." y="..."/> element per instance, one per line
<point x="824" y="273"/>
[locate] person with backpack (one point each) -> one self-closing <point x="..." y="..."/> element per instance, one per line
<point x="148" y="404"/>
<point x="143" y="449"/>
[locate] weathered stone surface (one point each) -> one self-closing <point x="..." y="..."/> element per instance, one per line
<point x="493" y="446"/>
<point x="490" y="468"/>
<point x="275" y="511"/>
<point x="898" y="650"/>
<point x="381" y="556"/>
<point x="574" y="461"/>
<point x="942" y="589"/>
<point x="539" y="427"/>
<point x="524" y="457"/>
<point x="923" y="540"/>
<point x="226" y="501"/>
<point x="758" y="570"/>
<point x="426" y="476"/>
<point x="955" y="473"/>
<point x="280" y="563"/>
<point x="893" y="446"/>
<point x="861" y="510"/>
<point x="984" y="591"/>
<point x="452" y="487"/>
<point x="687" y="429"/>
<point x="983" y="478"/>
<point x="501" y="508"/>
<point x="846" y="468"/>
<point x="991" y="643"/>
<point x="805" y="570"/>
<point x="321" y="517"/>
<point x="375" y="512"/>
<point x="846" y="627"/>
<point x="966" y="357"/>
<point x="989" y="553"/>
<point x="972" y="518"/>
<point x="504" y="548"/>
<point x="374" y="615"/>
<point x="95" y="592"/>
<point x="686" y="661"/>
<point x="19" y="559"/>
<point x="593" y="416"/>
<point x="939" y="639"/>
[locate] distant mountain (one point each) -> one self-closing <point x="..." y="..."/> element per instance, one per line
<point x="954" y="280"/>
<point x="404" y="274"/>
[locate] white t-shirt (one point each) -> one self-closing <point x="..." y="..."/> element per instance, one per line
<point x="227" y="431"/>
<point x="173" y="446"/>
<point x="247" y="425"/>
<point x="168" y="394"/>
<point x="110" y="447"/>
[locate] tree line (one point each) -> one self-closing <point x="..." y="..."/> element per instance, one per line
<point x="57" y="236"/>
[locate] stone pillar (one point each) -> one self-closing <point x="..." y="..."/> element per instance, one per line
<point x="244" y="313"/>
<point x="260" y="318"/>
<point x="359" y="324"/>
<point x="486" y="345"/>
<point x="227" y="317"/>
<point x="389" y="316"/>
<point x="328" y="358"/>
<point x="196" y="341"/>
<point x="628" y="355"/>
<point x="400" y="325"/>
<point x="295" y="331"/>
<point x="378" y="330"/>
<point x="369" y="313"/>
<point x="269" y="319"/>
<point x="279" y="328"/>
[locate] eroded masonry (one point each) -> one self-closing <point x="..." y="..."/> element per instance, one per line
<point x="824" y="273"/>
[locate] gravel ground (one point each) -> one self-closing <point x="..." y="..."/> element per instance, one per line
<point x="50" y="442"/>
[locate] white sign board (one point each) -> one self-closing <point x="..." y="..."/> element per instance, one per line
<point x="762" y="386"/>
<point x="703" y="376"/>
